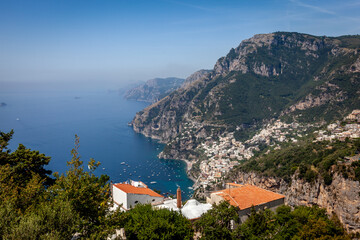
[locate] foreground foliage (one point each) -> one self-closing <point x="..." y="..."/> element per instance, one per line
<point x="300" y="223"/>
<point x="217" y="222"/>
<point x="34" y="205"/>
<point x="144" y="222"/>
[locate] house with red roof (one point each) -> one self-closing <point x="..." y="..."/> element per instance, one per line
<point x="245" y="197"/>
<point x="128" y="194"/>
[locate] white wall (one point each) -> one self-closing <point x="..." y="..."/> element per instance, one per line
<point x="119" y="197"/>
<point x="129" y="200"/>
<point x="133" y="199"/>
<point x="214" y="198"/>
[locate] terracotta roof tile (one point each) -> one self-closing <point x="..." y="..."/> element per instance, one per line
<point x="248" y="195"/>
<point x="136" y="190"/>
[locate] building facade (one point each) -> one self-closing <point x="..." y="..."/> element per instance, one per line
<point x="128" y="194"/>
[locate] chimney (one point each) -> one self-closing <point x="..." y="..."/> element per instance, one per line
<point x="178" y="197"/>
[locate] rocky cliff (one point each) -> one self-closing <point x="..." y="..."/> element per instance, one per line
<point x="341" y="197"/>
<point x="154" y="89"/>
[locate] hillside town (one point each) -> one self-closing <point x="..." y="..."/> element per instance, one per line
<point x="349" y="128"/>
<point x="224" y="154"/>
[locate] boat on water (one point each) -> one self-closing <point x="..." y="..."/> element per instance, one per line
<point x="122" y="163"/>
<point x="152" y="182"/>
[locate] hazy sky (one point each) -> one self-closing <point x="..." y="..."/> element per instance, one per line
<point x="113" y="41"/>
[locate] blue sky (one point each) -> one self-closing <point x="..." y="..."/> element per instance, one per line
<point x="109" y="42"/>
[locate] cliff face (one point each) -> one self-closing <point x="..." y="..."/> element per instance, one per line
<point x="154" y="89"/>
<point x="342" y="197"/>
<point x="280" y="75"/>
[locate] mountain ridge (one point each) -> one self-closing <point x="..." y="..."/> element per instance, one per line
<point x="154" y="89"/>
<point x="223" y="96"/>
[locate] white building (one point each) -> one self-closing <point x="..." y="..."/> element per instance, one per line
<point x="192" y="209"/>
<point x="127" y="195"/>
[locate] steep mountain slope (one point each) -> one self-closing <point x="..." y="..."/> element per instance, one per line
<point x="195" y="76"/>
<point x="291" y="76"/>
<point x="154" y="89"/>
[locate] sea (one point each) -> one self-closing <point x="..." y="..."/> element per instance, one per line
<point x="47" y="121"/>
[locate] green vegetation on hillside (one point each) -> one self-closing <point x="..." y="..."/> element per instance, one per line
<point x="310" y="159"/>
<point x="250" y="98"/>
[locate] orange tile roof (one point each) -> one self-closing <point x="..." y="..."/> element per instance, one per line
<point x="136" y="190"/>
<point x="247" y="196"/>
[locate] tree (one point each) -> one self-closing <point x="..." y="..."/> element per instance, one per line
<point x="23" y="177"/>
<point x="301" y="223"/>
<point x="144" y="222"/>
<point x="88" y="194"/>
<point x="50" y="220"/>
<point x="257" y="226"/>
<point x="216" y="223"/>
<point x="26" y="163"/>
<point x="4" y="140"/>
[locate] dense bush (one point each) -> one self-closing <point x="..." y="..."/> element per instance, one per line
<point x="300" y="223"/>
<point x="285" y="223"/>
<point x="144" y="222"/>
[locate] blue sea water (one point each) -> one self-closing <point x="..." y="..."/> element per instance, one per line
<point x="48" y="122"/>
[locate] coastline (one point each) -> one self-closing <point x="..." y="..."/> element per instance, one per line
<point x="188" y="164"/>
<point x="160" y="156"/>
<point x="188" y="168"/>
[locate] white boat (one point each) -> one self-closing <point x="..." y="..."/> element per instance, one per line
<point x="153" y="182"/>
<point x="122" y="163"/>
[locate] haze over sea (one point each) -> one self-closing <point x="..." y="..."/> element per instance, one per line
<point x="48" y="122"/>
